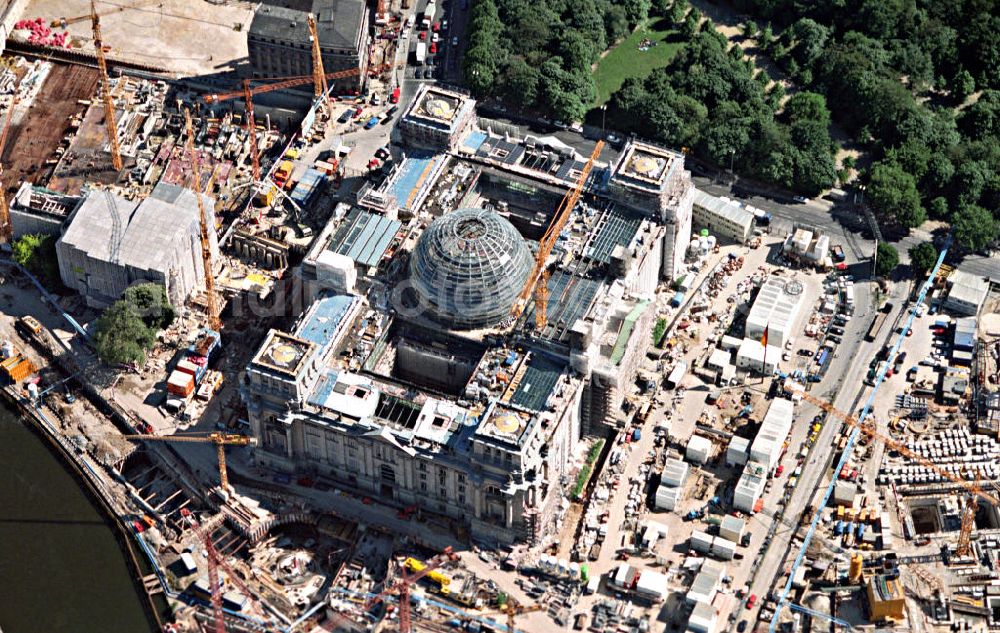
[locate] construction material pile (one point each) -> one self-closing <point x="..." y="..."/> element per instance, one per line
<point x="40" y="34"/>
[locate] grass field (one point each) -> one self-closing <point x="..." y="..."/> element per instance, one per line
<point x="626" y="60"/>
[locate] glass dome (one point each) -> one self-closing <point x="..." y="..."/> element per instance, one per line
<point x="468" y="268"/>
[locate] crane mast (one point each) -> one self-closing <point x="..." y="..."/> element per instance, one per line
<point x="109" y="104"/>
<point x="252" y="129"/>
<point x="319" y="77"/>
<point x="402" y="588"/>
<point x="214" y="322"/>
<point x="538" y="279"/>
<point x="6" y="228"/>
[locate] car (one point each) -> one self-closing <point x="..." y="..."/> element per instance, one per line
<point x="786" y="357"/>
<point x="839" y="331"/>
<point x="833" y="338"/>
<point x="613" y="138"/>
<point x="428" y="73"/>
<point x="372" y="122"/>
<point x="434" y="48"/>
<point x="560" y="124"/>
<point x="373" y="163"/>
<point x="909" y="331"/>
<point x="345" y="117"/>
<point x="751" y="601"/>
<point x="386" y="120"/>
<point x="422" y="36"/>
<point x="436" y="27"/>
<point x="779" y="470"/>
<point x="741" y="627"/>
<point x="382" y="152"/>
<point x="800" y="199"/>
<point x="436" y="38"/>
<point x="454" y="41"/>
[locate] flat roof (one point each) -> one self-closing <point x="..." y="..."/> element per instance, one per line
<point x="324" y="321"/>
<point x="616" y="227"/>
<point x="538" y="380"/>
<point x="337" y="21"/>
<point x="364" y="237"/>
<point x="646" y="166"/>
<point x="776" y="304"/>
<point x="438" y="107"/>
<point x="726" y="209"/>
<point x="283" y="353"/>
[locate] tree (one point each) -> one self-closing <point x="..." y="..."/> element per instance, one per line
<point x="807" y="106"/>
<point x="521" y="83"/>
<point x="766" y="39"/>
<point x="120" y="336"/>
<point x="616" y="23"/>
<point x="962" y="86"/>
<point x="886" y="260"/>
<point x="923" y="256"/>
<point x="636" y="11"/>
<point x="676" y="13"/>
<point x="37" y="253"/>
<point x="750" y="29"/>
<point x="974" y="227"/>
<point x="690" y="25"/>
<point x="149" y="302"/>
<point x="893" y="192"/>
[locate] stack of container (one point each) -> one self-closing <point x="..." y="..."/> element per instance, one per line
<point x="308" y="186"/>
<point x="191" y="369"/>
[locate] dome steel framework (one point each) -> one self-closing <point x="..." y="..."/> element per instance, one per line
<point x="468" y="268"/>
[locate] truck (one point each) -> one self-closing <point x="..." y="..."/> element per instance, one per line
<point x="283" y="172"/>
<point x="676" y="375"/>
<point x="394" y="96"/>
<point x="880" y="318"/>
<point x="421" y="53"/>
<point x="837" y="252"/>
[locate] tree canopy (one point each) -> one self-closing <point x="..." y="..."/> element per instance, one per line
<point x="886" y="260"/>
<point x="127" y="329"/>
<point x="37" y="253"/>
<point x="923" y="256"/>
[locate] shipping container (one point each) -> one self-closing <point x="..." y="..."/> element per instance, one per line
<point x="180" y="384"/>
<point x="17" y="368"/>
<point x="206" y="344"/>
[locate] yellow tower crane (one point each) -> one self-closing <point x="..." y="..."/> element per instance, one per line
<point x="6" y="228"/>
<point x="212" y="301"/>
<point x="973" y="488"/>
<point x="221" y="441"/>
<point x="538" y="279"/>
<point x="109" y="104"/>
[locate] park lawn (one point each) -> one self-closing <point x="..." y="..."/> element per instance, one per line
<point x="626" y="60"/>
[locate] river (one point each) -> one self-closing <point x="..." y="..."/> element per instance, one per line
<point x="61" y="568"/>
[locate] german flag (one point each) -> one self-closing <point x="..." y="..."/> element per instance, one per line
<point x="763" y="339"/>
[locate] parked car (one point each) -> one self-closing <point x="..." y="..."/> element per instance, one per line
<point x="454" y="41"/>
<point x="434" y="48"/>
<point x="751" y="601"/>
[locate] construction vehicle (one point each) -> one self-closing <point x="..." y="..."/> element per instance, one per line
<point x="212" y="301"/>
<point x="66" y="22"/>
<point x="221" y="441"/>
<point x="511" y="610"/>
<point x="538" y="279"/>
<point x="109" y="105"/>
<point x="973" y="488"/>
<point x="6" y="228"/>
<point x="414" y="566"/>
<point x="401" y="589"/>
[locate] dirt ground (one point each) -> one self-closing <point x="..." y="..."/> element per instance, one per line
<point x="183" y="37"/>
<point x="34" y="138"/>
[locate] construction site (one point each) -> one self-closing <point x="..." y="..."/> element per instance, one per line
<point x="426" y="374"/>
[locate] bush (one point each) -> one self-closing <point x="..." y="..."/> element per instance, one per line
<point x="659" y="330"/>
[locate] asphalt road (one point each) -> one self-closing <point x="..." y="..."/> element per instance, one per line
<point x="780" y="554"/>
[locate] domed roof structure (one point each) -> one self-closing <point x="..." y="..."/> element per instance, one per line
<point x="468" y="268"/>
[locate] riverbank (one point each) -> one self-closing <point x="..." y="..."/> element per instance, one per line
<point x="76" y="562"/>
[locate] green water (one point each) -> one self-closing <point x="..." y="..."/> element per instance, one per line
<point x="61" y="568"/>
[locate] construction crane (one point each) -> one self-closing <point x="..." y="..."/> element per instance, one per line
<point x="212" y="301"/>
<point x="511" y="610"/>
<point x="215" y="561"/>
<point x="319" y="77"/>
<point x="6" y="228"/>
<point x="252" y="130"/>
<point x="545" y="246"/>
<point x="109" y="105"/>
<point x="290" y="82"/>
<point x="221" y="441"/>
<point x="974" y="488"/>
<point x="402" y="587"/>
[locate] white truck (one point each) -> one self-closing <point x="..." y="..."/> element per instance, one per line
<point x="421" y="53"/>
